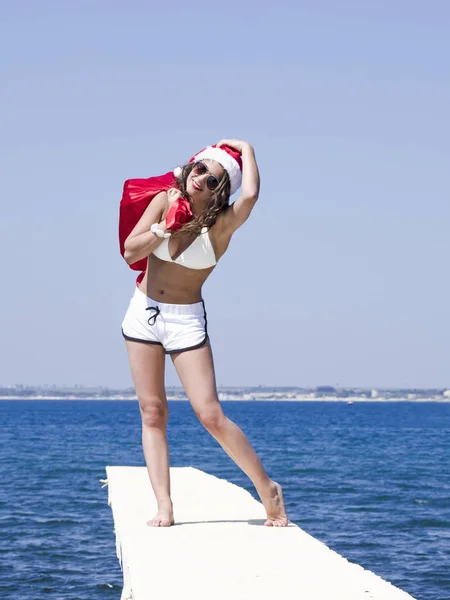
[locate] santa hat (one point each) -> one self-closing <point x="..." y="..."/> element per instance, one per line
<point x="228" y="157"/>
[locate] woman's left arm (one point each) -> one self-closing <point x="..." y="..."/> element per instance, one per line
<point x="240" y="210"/>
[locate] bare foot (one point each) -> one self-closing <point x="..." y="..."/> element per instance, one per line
<point x="272" y="499"/>
<point x="163" y="518"/>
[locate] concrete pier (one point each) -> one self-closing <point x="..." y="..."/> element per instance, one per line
<point x="219" y="548"/>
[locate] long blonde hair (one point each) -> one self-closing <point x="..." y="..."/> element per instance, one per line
<point x="218" y="202"/>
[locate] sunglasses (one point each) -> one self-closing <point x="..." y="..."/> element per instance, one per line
<point x="212" y="183"/>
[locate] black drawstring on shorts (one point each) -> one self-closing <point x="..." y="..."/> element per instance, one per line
<point x="152" y="318"/>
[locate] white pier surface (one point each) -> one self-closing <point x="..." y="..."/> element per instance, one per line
<point x="219" y="548"/>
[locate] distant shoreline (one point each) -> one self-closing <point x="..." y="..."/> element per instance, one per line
<point x="349" y="400"/>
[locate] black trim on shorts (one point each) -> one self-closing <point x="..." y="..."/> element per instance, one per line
<point x="132" y="339"/>
<point x="202" y="343"/>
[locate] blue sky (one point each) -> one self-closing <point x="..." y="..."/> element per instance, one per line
<point x="341" y="274"/>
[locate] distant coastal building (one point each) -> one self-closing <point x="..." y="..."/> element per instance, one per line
<point x="325" y="390"/>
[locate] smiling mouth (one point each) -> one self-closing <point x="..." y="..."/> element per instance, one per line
<point x="196" y="186"/>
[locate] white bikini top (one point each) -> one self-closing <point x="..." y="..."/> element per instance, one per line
<point x="199" y="255"/>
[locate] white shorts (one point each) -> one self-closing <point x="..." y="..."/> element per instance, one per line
<point x="175" y="327"/>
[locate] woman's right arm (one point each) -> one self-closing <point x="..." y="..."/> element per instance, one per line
<point x="141" y="242"/>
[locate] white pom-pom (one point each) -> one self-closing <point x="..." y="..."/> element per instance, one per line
<point x="177" y="171"/>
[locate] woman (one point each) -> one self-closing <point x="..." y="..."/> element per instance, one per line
<point x="167" y="314"/>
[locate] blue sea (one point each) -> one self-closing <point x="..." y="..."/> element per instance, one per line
<point x="371" y="480"/>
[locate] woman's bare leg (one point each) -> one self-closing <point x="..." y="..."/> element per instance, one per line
<point x="147" y="363"/>
<point x="195" y="369"/>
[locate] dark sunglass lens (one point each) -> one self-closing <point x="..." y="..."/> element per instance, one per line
<point x="200" y="168"/>
<point x="212" y="183"/>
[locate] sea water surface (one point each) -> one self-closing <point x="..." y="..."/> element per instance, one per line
<point x="371" y="480"/>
